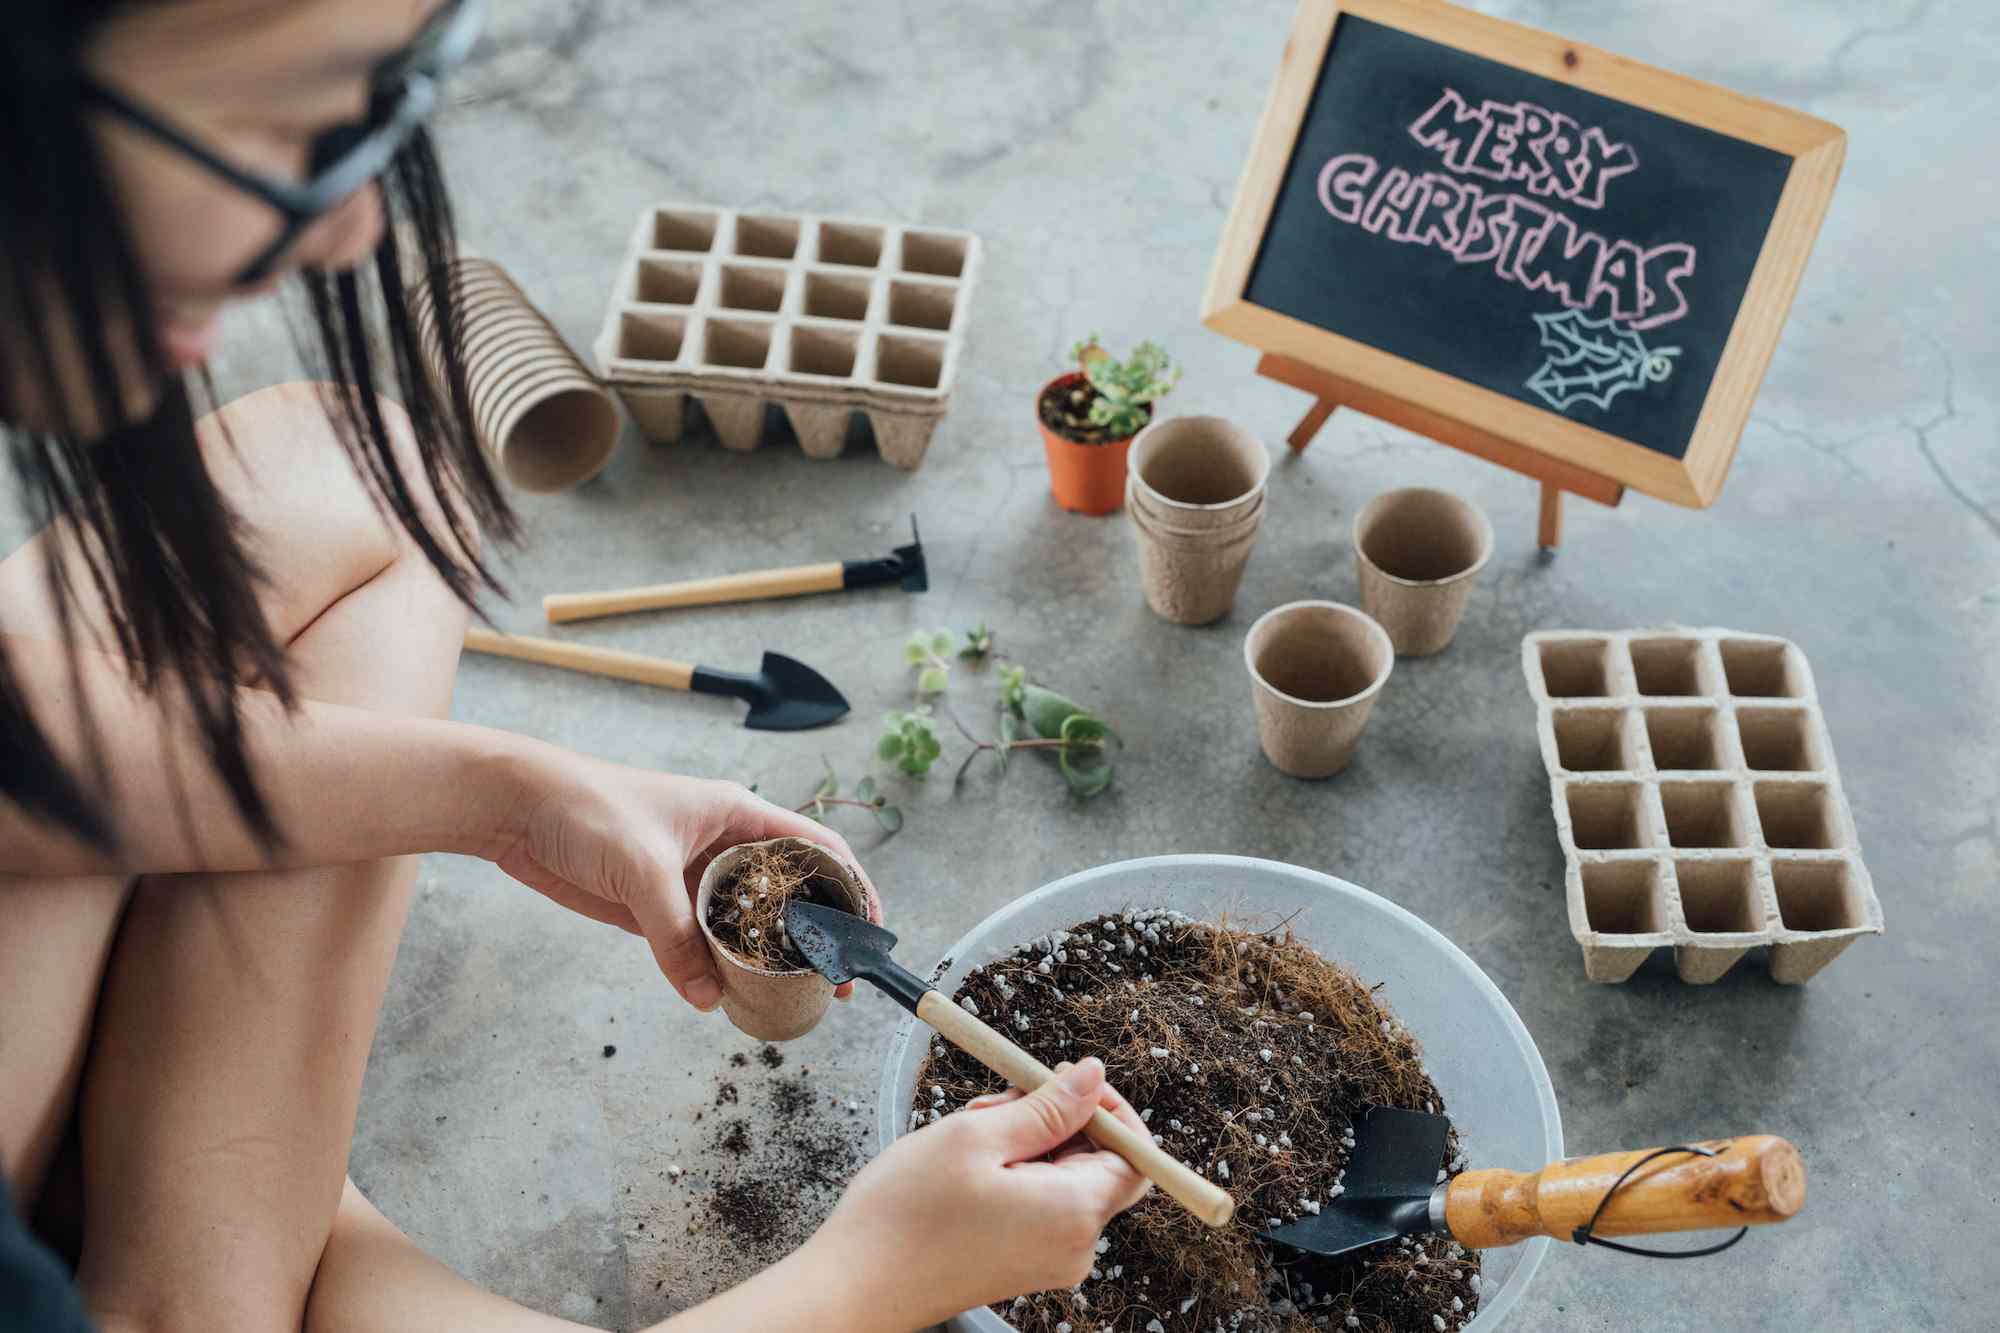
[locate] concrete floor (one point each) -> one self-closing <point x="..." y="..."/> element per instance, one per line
<point x="1095" y="149"/>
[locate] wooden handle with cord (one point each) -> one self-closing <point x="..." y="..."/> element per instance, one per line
<point x="582" y="657"/>
<point x="764" y="583"/>
<point x="1205" y="1199"/>
<point x="1752" y="1180"/>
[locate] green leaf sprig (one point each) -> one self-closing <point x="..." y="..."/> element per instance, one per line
<point x="827" y="797"/>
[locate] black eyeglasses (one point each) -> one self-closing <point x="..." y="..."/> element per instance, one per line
<point x="345" y="158"/>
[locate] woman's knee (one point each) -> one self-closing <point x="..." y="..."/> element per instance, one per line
<point x="312" y="515"/>
<point x="367" y="620"/>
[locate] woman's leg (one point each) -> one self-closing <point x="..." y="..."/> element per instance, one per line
<point x="373" y="1279"/>
<point x="54" y="944"/>
<point x="235" y="1024"/>
<point x="236" y="1013"/>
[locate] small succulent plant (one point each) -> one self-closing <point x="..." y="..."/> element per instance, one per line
<point x="929" y="651"/>
<point x="1125" y="389"/>
<point x="910" y="741"/>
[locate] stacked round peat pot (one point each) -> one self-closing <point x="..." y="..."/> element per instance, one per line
<point x="543" y="417"/>
<point x="1196" y="497"/>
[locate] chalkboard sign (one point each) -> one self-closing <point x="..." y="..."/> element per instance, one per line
<point x="1574" y="253"/>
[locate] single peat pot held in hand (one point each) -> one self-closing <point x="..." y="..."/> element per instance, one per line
<point x="769" y="989"/>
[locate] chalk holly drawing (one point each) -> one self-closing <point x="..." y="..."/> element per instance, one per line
<point x="1594" y="360"/>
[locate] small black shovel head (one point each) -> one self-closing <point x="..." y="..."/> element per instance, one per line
<point x="839" y="945"/>
<point x="1386" y="1192"/>
<point x="792" y="697"/>
<point x="916" y="575"/>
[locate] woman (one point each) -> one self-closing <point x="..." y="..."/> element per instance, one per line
<point x="227" y="662"/>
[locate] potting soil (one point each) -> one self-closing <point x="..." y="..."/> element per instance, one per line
<point x="1065" y="409"/>
<point x="773" y="1176"/>
<point x="1250" y="1058"/>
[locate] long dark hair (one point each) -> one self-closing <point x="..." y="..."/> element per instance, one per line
<point x="159" y="542"/>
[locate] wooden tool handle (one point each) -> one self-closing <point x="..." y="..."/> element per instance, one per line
<point x="829" y="577"/>
<point x="581" y="657"/>
<point x="1203" y="1198"/>
<point x="1752" y="1180"/>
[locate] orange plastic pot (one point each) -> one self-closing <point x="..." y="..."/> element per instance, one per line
<point x="1084" y="478"/>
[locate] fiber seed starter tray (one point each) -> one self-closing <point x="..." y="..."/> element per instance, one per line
<point x="1697" y="801"/>
<point x="823" y="316"/>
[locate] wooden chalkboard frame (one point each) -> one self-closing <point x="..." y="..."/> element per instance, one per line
<point x="1431" y="402"/>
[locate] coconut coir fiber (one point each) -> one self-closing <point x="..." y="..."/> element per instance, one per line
<point x="1252" y="1058"/>
<point x="747" y="910"/>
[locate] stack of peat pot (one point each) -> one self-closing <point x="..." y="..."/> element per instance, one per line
<point x="1196" y="498"/>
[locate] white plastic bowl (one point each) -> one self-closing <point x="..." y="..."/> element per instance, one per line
<point x="1475" y="1047"/>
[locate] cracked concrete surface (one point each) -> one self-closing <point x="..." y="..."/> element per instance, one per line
<point x="1094" y="147"/>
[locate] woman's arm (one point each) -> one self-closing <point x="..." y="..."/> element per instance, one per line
<point x="993" y="1202"/>
<point x="620" y="845"/>
<point x="998" y="1200"/>
<point x="344" y="784"/>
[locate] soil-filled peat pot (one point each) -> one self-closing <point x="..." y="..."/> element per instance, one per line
<point x="1316" y="669"/>
<point x="1249" y="1050"/>
<point x="1417" y="555"/>
<point x="768" y="989"/>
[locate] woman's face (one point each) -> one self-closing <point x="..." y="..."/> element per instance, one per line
<point x="253" y="81"/>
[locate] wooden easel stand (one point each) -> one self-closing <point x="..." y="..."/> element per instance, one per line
<point x="1330" y="391"/>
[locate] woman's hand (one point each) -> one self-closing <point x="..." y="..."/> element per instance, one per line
<point x="628" y="847"/>
<point x="996" y="1201"/>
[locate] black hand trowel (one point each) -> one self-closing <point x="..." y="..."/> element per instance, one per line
<point x="842" y="947"/>
<point x="783" y="694"/>
<point x="1391" y="1189"/>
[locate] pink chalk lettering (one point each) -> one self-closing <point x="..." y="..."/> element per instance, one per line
<point x="1452" y="128"/>
<point x="1531" y="223"/>
<point x="1487" y="228"/>
<point x="1390" y="205"/>
<point x="1551" y="152"/>
<point x="1597" y="160"/>
<point x="1557" y="134"/>
<point x="1342" y="182"/>
<point x="1436" y="220"/>
<point x="1618" y="277"/>
<point x="1562" y="260"/>
<point x="1493" y="154"/>
<point x="1662" y="268"/>
<point x="1524" y="240"/>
